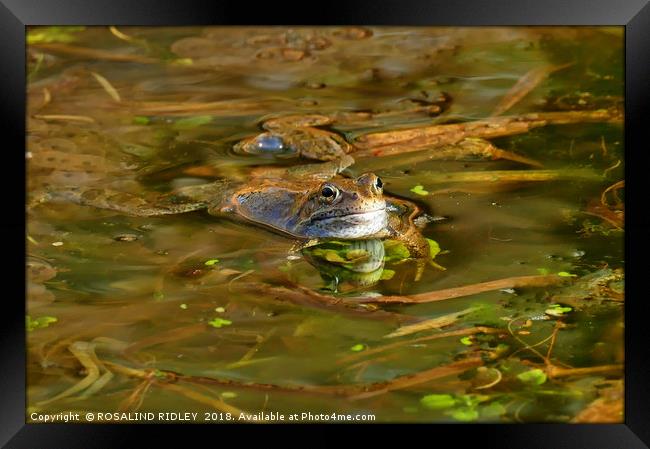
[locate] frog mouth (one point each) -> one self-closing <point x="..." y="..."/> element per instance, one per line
<point x="350" y="215"/>
<point x="354" y="225"/>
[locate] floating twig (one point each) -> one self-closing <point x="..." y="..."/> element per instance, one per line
<point x="399" y="344"/>
<point x="118" y="34"/>
<point x="216" y="108"/>
<point x="411" y="380"/>
<point x="66" y="118"/>
<point x="108" y="87"/>
<point x="511" y="176"/>
<point x="525" y="85"/>
<point x="614" y="187"/>
<point x="616" y="165"/>
<point x="434" y="323"/>
<point x="416" y="139"/>
<point x="306" y="297"/>
<point x="165" y="379"/>
<point x="94" y="53"/>
<point x="467" y="290"/>
<point x="554" y="371"/>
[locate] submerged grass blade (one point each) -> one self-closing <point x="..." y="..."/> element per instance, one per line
<point x="525" y="85"/>
<point x="512" y="176"/>
<point x="434" y="323"/>
<point x="467" y="290"/>
<point x="108" y="87"/>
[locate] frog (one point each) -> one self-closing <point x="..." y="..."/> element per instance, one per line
<point x="296" y="135"/>
<point x="306" y="203"/>
<point x="303" y="136"/>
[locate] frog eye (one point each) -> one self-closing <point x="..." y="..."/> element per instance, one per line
<point x="329" y="193"/>
<point x="269" y="143"/>
<point x="379" y="183"/>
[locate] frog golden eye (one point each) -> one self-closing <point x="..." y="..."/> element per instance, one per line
<point x="329" y="193"/>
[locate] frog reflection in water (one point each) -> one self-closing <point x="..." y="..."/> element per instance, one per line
<point x="305" y="202"/>
<point x="348" y="265"/>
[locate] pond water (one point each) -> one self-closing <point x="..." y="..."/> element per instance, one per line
<point x="197" y="313"/>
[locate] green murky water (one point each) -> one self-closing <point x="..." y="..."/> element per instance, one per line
<point x="190" y="313"/>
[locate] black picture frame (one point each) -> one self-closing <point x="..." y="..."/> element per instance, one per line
<point x="633" y="14"/>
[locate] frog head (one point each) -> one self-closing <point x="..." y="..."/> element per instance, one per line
<point x="343" y="208"/>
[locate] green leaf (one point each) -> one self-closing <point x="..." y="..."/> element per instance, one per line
<point x="39" y="323"/>
<point x="333" y="256"/>
<point x="465" y="414"/>
<point x="471" y="400"/>
<point x="395" y="251"/>
<point x="534" y="377"/>
<point x="358" y="347"/>
<point x="493" y="410"/>
<point x="353" y="254"/>
<point x="338" y="252"/>
<point x="285" y="267"/>
<point x="434" y="248"/>
<point x="183" y="61"/>
<point x="192" y="122"/>
<point x="219" y="322"/>
<point x="557" y="310"/>
<point x="387" y="274"/>
<point x="330" y="255"/>
<point x="211" y="262"/>
<point x="141" y="151"/>
<point x="565" y="274"/>
<point x="140" y="120"/>
<point x="45" y="35"/>
<point x="419" y="190"/>
<point x="438" y="401"/>
<point x="466" y="341"/>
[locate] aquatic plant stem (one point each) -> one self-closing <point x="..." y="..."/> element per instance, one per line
<point x="416" y="139"/>
<point x="468" y="290"/>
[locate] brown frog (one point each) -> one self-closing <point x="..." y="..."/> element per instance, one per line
<point x="305" y="202"/>
<point x="300" y="135"/>
<point x="297" y="135"/>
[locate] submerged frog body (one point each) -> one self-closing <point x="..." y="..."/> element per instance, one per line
<point x="301" y="135"/>
<point x="296" y="135"/>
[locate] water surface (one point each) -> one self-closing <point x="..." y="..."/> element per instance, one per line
<point x="171" y="314"/>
